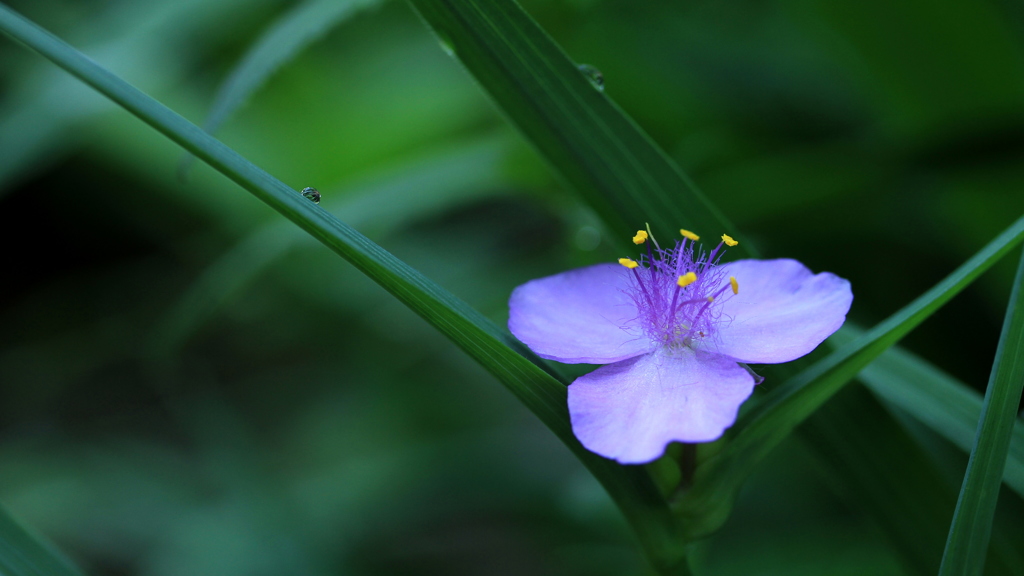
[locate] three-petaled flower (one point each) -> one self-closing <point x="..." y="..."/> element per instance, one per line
<point x="675" y="330"/>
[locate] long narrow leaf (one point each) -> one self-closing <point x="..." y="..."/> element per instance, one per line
<point x="630" y="487"/>
<point x="470" y="171"/>
<point x="286" y="38"/>
<point x="972" y="522"/>
<point x="25" y="554"/>
<point x="533" y="82"/>
<point x="588" y="140"/>
<point x="705" y="507"/>
<point x="38" y="114"/>
<point x="943" y="403"/>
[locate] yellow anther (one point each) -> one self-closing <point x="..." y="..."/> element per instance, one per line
<point x="641" y="237"/>
<point x="628" y="263"/>
<point x="735" y="285"/>
<point x="686" y="279"/>
<point x="728" y="240"/>
<point x="688" y="234"/>
<point x="711" y="298"/>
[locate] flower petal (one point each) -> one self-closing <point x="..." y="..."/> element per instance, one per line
<point x="631" y="410"/>
<point x="782" y="311"/>
<point x="582" y="315"/>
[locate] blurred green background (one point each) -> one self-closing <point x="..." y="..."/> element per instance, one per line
<point x="190" y="386"/>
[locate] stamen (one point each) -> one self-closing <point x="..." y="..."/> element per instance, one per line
<point x="703" y="308"/>
<point x="710" y="260"/>
<point x="735" y="285"/>
<point x="650" y="234"/>
<point x="686" y="279"/>
<point x="640" y="281"/>
<point x="695" y="301"/>
<point x="650" y="258"/>
<point x="675" y="314"/>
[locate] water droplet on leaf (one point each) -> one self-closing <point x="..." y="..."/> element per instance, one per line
<point x="594" y="75"/>
<point x="311" y="193"/>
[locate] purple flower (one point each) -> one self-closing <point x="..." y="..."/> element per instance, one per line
<point x="673" y="330"/>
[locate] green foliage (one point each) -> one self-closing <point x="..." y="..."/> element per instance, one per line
<point x="972" y="523"/>
<point x="705" y="506"/>
<point x="25" y="554"/>
<point x="129" y="41"/>
<point x="293" y="32"/>
<point x="494" y="349"/>
<point x="889" y="475"/>
<point x="586" y="138"/>
<point x="211" y="393"/>
<point x="455" y="176"/>
<point x="943" y="403"/>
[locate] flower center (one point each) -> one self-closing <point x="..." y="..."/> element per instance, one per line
<point x="678" y="291"/>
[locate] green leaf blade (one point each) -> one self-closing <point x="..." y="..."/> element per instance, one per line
<point x="705" y="506"/>
<point x="969" y="533"/>
<point x="937" y="400"/>
<point x="631" y="487"/>
<point x="468" y="171"/>
<point x="284" y="40"/>
<point x="25" y="554"/>
<point x="585" y="137"/>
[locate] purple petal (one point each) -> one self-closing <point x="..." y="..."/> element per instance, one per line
<point x="631" y="410"/>
<point x="582" y="315"/>
<point x="782" y="311"/>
